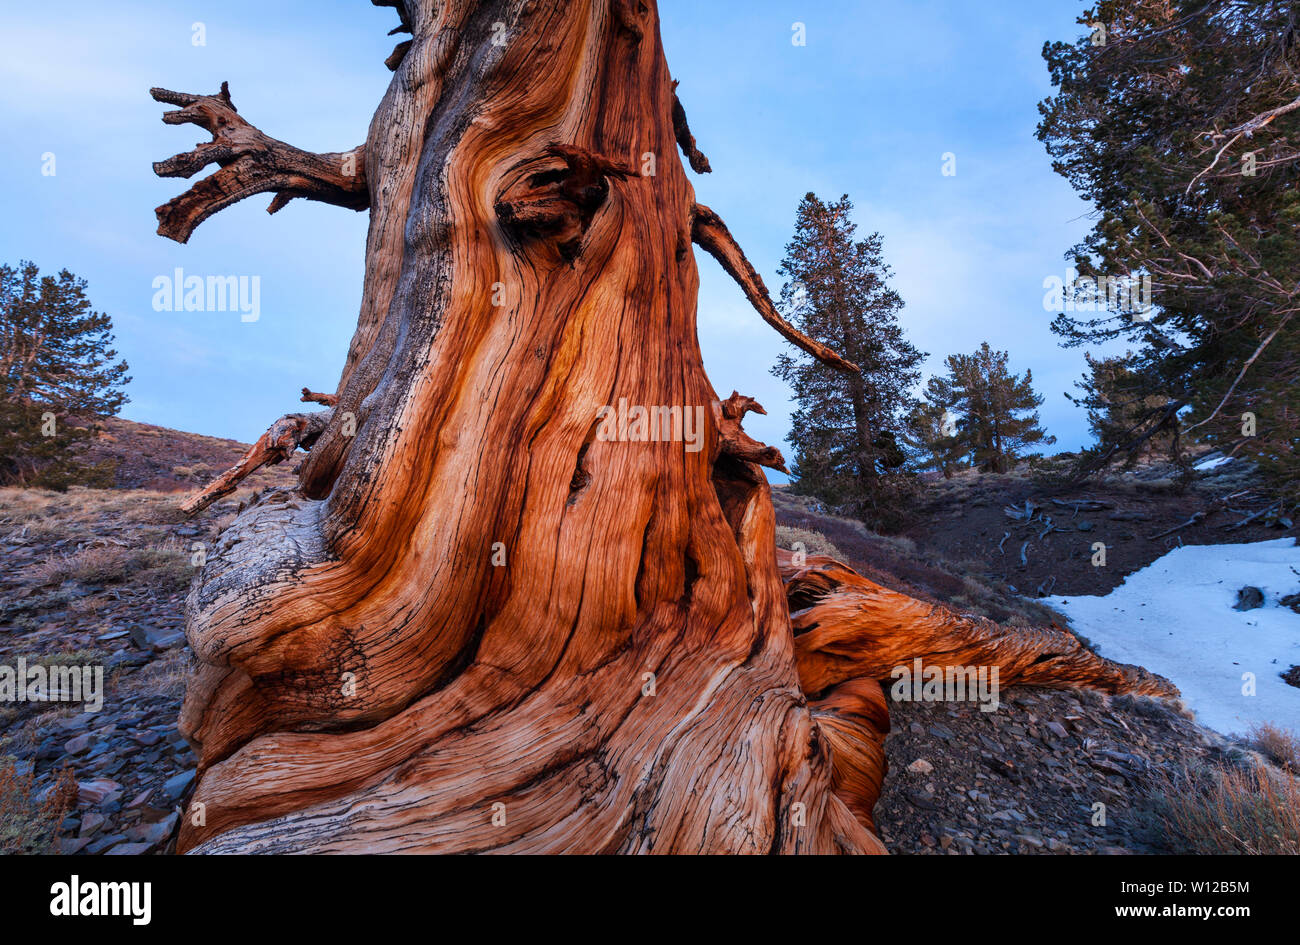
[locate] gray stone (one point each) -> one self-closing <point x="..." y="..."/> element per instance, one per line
<point x="91" y="823"/>
<point x="175" y="786"/>
<point x="103" y="843"/>
<point x="130" y="849"/>
<point x="156" y="638"/>
<point x="153" y="833"/>
<point x="1249" y="598"/>
<point x="71" y="845"/>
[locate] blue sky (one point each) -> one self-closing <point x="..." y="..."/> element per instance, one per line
<point x="868" y="107"/>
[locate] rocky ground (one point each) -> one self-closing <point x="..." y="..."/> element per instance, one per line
<point x="98" y="578"/>
<point x="159" y="459"/>
<point x="1139" y="515"/>
<point x="1027" y="778"/>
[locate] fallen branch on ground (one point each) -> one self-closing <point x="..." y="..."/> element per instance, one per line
<point x="1198" y="517"/>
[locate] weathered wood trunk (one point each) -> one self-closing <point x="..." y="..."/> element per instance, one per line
<point x="482" y="624"/>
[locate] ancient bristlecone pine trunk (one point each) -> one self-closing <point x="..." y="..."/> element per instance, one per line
<point x="480" y="624"/>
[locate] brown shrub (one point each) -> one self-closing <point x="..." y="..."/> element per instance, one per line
<point x="1249" y="809"/>
<point x="30" y="823"/>
<point x="1278" y="745"/>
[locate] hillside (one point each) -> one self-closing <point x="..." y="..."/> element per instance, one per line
<point x="99" y="577"/>
<point x="1024" y="778"/>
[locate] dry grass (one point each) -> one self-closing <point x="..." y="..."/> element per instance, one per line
<point x="188" y="472"/>
<point x="66" y="658"/>
<point x="1278" y="745"/>
<point x="814" y="543"/>
<point x="28" y="822"/>
<point x="165" y="568"/>
<point x="166" y="675"/>
<point x="1251" y="809"/>
<point x="34" y="514"/>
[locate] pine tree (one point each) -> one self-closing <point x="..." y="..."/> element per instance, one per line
<point x="1178" y="120"/>
<point x="991" y="404"/>
<point x="935" y="439"/>
<point x="58" y="377"/>
<point x="1120" y="405"/>
<point x="847" y="428"/>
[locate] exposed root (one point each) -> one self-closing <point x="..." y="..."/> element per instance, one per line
<point x="853" y="719"/>
<point x="847" y="627"/>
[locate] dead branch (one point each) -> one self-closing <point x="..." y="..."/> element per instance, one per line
<point x="250" y="163"/>
<point x="734" y="441"/>
<point x="1128" y="515"/>
<point x="274" y="446"/>
<point x="1250" y="518"/>
<point x="1005" y="536"/>
<point x="311" y="397"/>
<point x="1246" y="128"/>
<point x="1244" y="368"/>
<point x="685" y="140"/>
<point x="709" y="232"/>
<point x="1082" y="505"/>
<point x="1198" y="517"/>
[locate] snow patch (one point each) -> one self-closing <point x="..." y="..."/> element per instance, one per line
<point x="1214" y="463"/>
<point x="1175" y="617"/>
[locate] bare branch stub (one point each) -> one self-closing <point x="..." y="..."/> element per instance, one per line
<point x="709" y="232"/>
<point x="274" y="446"/>
<point x="685" y="140"/>
<point x="734" y="441"/>
<point x="312" y="397"/>
<point x="249" y="162"/>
